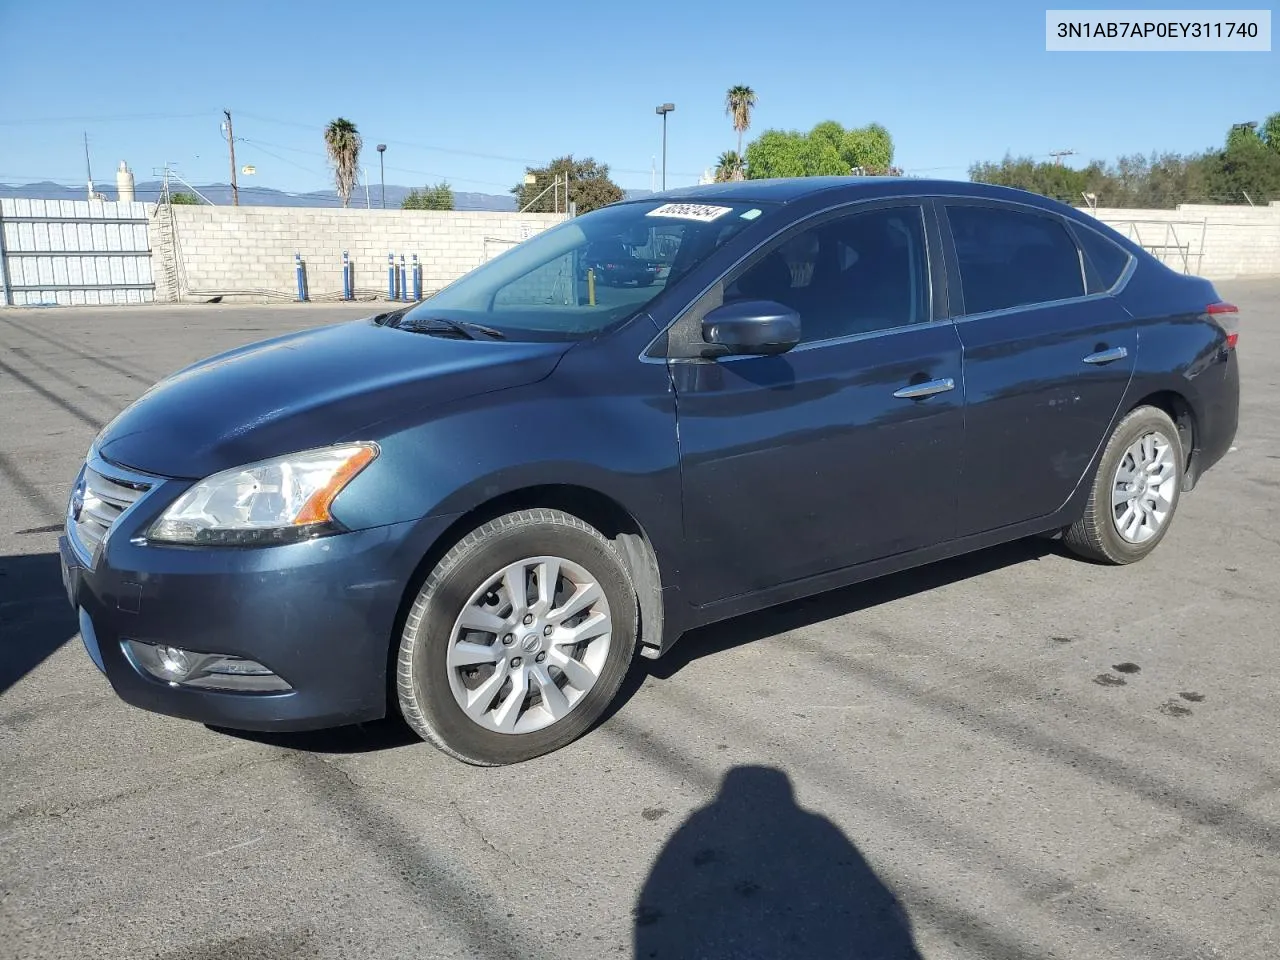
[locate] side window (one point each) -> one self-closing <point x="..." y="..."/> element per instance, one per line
<point x="1104" y="261"/>
<point x="850" y="275"/>
<point x="1012" y="259"/>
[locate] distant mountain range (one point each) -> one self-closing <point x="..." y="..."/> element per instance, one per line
<point x="252" y="195"/>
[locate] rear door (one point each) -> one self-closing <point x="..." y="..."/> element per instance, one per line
<point x="1047" y="359"/>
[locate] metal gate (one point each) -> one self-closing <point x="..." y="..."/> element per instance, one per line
<point x="1176" y="243"/>
<point x="74" y="252"/>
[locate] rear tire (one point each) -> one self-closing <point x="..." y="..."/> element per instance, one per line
<point x="1135" y="491"/>
<point x="493" y="667"/>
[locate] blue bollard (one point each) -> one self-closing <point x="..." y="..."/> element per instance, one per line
<point x="302" y="280"/>
<point x="404" y="281"/>
<point x="346" y="276"/>
<point x="391" y="276"/>
<point x="417" y="278"/>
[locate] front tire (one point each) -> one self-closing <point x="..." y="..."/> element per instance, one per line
<point x="1135" y="491"/>
<point x="518" y="640"/>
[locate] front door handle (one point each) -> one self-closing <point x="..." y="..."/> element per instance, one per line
<point x="1107" y="356"/>
<point x="918" y="391"/>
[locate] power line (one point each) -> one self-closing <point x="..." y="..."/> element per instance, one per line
<point x="258" y="145"/>
<point x="480" y="155"/>
<point x="445" y="176"/>
<point x="123" y="118"/>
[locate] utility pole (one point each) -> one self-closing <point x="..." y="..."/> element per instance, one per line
<point x="88" y="173"/>
<point x="1059" y="154"/>
<point x="662" y="110"/>
<point x="382" y="175"/>
<point x="231" y="142"/>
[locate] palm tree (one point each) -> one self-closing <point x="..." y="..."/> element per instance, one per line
<point x="738" y="104"/>
<point x="342" y="142"/>
<point x="728" y="167"/>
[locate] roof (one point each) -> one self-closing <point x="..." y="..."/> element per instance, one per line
<point x="794" y="188"/>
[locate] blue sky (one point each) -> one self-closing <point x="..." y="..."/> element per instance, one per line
<point x="472" y="91"/>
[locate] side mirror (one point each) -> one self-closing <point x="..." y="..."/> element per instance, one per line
<point x="761" y="327"/>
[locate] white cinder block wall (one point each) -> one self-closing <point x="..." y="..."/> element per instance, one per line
<point x="1218" y="242"/>
<point x="248" y="252"/>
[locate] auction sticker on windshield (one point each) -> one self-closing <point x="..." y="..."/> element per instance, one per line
<point x="689" y="211"/>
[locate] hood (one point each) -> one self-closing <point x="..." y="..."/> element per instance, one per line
<point x="307" y="389"/>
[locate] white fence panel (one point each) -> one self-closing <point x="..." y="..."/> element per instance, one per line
<point x="74" y="252"/>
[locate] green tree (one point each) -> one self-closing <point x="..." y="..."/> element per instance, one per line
<point x="589" y="186"/>
<point x="184" y="198"/>
<point x="779" y="153"/>
<point x="1247" y="170"/>
<point x="1240" y="133"/>
<point x="739" y="101"/>
<point x="439" y="197"/>
<point x="342" y="142"/>
<point x="1271" y="132"/>
<point x="829" y="149"/>
<point x="1048" y="179"/>
<point x="729" y="167"/>
<point x="869" y="147"/>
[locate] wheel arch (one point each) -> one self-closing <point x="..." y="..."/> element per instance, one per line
<point x="1183" y="415"/>
<point x="601" y="511"/>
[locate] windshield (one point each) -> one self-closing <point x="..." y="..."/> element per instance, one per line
<point x="587" y="274"/>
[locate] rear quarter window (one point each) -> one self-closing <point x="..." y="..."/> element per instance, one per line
<point x="1104" y="260"/>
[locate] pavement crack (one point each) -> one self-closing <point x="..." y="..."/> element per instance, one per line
<point x="474" y="828"/>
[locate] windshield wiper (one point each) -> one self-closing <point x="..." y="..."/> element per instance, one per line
<point x="464" y="327"/>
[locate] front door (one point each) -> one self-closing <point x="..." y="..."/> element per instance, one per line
<point x="845" y="449"/>
<point x="1046" y="364"/>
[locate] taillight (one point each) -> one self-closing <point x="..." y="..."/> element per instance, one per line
<point x="1227" y="316"/>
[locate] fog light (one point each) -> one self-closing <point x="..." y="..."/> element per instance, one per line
<point x="209" y="671"/>
<point x="174" y="663"/>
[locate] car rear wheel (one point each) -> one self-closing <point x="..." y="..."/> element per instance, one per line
<point x="519" y="639"/>
<point x="1135" y="491"/>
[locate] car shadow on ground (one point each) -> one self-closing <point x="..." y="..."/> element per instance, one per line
<point x="727" y="634"/>
<point x="35" y="617"/>
<point x="392" y="732"/>
<point x="752" y="874"/>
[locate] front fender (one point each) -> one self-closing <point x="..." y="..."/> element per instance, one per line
<point x="601" y="421"/>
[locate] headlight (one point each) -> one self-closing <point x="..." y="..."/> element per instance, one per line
<point x="275" y="501"/>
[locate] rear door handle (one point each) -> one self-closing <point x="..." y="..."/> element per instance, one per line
<point x="918" y="391"/>
<point x="1107" y="356"/>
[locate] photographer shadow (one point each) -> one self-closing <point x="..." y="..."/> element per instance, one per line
<point x="754" y="875"/>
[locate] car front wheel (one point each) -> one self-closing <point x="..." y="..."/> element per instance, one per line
<point x="1135" y="491"/>
<point x="518" y="640"/>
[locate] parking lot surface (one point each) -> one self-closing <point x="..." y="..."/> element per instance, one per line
<point x="1013" y="754"/>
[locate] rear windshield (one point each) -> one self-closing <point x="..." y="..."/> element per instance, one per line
<point x="591" y="272"/>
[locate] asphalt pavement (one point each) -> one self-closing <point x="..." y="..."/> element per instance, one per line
<point x="1014" y="754"/>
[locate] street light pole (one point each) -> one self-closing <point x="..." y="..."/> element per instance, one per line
<point x="382" y="175"/>
<point x="662" y="111"/>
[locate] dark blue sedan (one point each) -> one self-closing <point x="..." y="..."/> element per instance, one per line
<point x="477" y="510"/>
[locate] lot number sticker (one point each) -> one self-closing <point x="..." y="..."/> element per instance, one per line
<point x="689" y="211"/>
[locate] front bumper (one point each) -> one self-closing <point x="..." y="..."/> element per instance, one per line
<point x="319" y="614"/>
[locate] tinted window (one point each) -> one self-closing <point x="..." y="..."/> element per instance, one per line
<point x="1010" y="259"/>
<point x="1104" y="261"/>
<point x="855" y="274"/>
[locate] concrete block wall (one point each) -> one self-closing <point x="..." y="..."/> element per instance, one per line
<point x="1218" y="242"/>
<point x="248" y="252"/>
<point x="550" y="283"/>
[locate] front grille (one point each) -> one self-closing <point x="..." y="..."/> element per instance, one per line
<point x="97" y="504"/>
